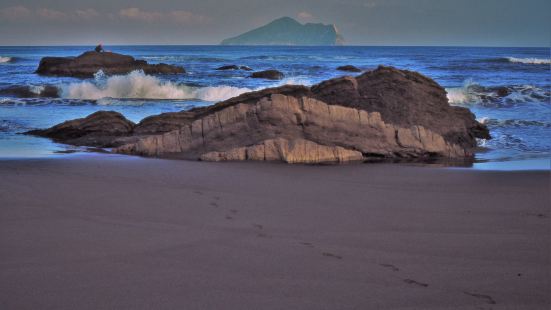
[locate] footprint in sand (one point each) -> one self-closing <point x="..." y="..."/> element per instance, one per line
<point x="538" y="215"/>
<point x="331" y="255"/>
<point x="487" y="298"/>
<point x="391" y="267"/>
<point x="413" y="282"/>
<point x="263" y="235"/>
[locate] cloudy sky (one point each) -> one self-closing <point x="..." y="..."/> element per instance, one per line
<point x="362" y="22"/>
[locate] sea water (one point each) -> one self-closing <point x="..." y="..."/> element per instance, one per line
<point x="520" y="122"/>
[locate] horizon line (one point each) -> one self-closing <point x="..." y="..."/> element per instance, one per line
<point x="258" y="45"/>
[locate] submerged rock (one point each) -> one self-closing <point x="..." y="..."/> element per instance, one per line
<point x="228" y="67"/>
<point x="87" y="64"/>
<point x="234" y="67"/>
<point x="349" y="68"/>
<point x="268" y="74"/>
<point x="385" y="113"/>
<point x="24" y="91"/>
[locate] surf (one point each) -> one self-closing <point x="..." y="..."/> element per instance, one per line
<point x="138" y="85"/>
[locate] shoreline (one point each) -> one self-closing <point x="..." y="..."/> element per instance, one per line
<point x="130" y="232"/>
<point x="535" y="163"/>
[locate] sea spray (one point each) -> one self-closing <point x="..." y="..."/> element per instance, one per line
<point x="138" y="85"/>
<point x="472" y="93"/>
<point x="4" y="59"/>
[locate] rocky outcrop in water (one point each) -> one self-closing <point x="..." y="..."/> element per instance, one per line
<point x="385" y="113"/>
<point x="268" y="74"/>
<point x="233" y="67"/>
<point x="87" y="64"/>
<point x="349" y="68"/>
<point x="24" y="91"/>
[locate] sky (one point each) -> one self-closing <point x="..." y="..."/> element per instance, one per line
<point x="361" y="22"/>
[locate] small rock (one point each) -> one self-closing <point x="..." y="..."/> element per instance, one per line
<point x="349" y="68"/>
<point x="228" y="67"/>
<point x="268" y="74"/>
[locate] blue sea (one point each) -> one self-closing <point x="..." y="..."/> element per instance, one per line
<point x="520" y="122"/>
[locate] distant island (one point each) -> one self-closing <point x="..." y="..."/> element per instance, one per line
<point x="287" y="31"/>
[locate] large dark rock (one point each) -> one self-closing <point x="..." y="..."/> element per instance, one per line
<point x="87" y="64"/>
<point x="386" y="113"/>
<point x="99" y="129"/>
<point x="349" y="68"/>
<point x="405" y="98"/>
<point x="268" y="74"/>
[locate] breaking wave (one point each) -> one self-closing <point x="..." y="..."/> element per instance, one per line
<point x="512" y="122"/>
<point x="4" y="59"/>
<point x="517" y="60"/>
<point x="138" y="85"/>
<point x="472" y="93"/>
<point x="531" y="61"/>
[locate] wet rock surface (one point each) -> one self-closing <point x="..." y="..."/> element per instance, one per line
<point x="88" y="63"/>
<point x="268" y="74"/>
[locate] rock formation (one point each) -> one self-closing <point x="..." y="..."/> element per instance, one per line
<point x="233" y="67"/>
<point x="287" y="31"/>
<point x="87" y="64"/>
<point x="25" y="91"/>
<point x="268" y="74"/>
<point x="99" y="129"/>
<point x="385" y="113"/>
<point x="349" y="68"/>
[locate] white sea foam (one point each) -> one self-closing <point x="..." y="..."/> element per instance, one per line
<point x="463" y="95"/>
<point x="472" y="93"/>
<point x="4" y="59"/>
<point x="532" y="61"/>
<point x="137" y="85"/>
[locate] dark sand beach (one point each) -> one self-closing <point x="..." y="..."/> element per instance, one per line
<point x="112" y="232"/>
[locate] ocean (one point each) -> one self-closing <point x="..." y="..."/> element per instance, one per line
<point x="509" y="89"/>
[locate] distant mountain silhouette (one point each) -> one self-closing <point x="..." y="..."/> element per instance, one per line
<point x="287" y="31"/>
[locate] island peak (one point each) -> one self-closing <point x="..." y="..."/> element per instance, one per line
<point x="288" y="31"/>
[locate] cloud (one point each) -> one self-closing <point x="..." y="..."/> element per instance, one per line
<point x="176" y="16"/>
<point x="14" y="13"/>
<point x="87" y="14"/>
<point x="305" y="15"/>
<point x="139" y="15"/>
<point x="51" y="14"/>
<point x="370" y="4"/>
<point x="22" y="14"/>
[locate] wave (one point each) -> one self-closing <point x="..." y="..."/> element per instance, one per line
<point x="531" y="61"/>
<point x="4" y="59"/>
<point x="472" y="93"/>
<point x="138" y="85"/>
<point x="512" y="123"/>
<point x="518" y="60"/>
<point x="11" y="126"/>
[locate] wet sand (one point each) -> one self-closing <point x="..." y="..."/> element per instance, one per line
<point x="112" y="232"/>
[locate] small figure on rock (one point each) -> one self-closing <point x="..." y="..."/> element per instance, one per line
<point x="99" y="48"/>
